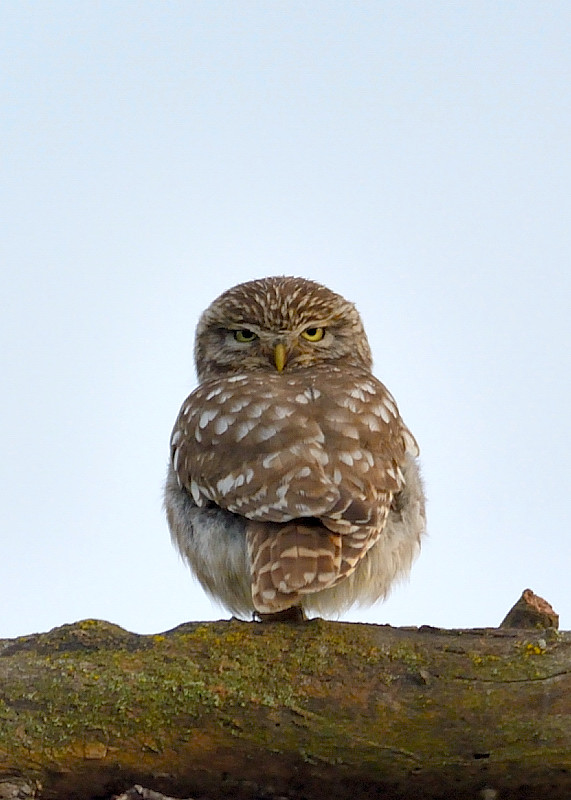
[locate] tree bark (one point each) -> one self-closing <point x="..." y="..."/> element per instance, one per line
<point x="315" y="710"/>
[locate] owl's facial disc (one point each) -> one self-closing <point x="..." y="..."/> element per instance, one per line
<point x="279" y="348"/>
<point x="280" y="323"/>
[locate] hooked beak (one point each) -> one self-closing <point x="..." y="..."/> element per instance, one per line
<point x="280" y="356"/>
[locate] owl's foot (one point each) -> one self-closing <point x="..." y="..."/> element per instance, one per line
<point x="293" y="614"/>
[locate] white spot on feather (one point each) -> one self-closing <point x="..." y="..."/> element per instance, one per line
<point x="207" y="416"/>
<point x="195" y="492"/>
<point x="227" y="484"/>
<point x="244" y="428"/>
<point x="263" y="433"/>
<point x="223" y="423"/>
<point x="268" y="461"/>
<point x="349" y="402"/>
<point x="238" y="404"/>
<point x="357" y="393"/>
<point x="390" y="406"/>
<point x="175" y="459"/>
<point x="282" y="412"/>
<point x="385" y="416"/>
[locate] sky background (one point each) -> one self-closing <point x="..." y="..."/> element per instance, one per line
<point x="413" y="156"/>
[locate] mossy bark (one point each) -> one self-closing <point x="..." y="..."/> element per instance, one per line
<point x="316" y="710"/>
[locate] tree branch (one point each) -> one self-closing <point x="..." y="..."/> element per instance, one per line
<point x="315" y="710"/>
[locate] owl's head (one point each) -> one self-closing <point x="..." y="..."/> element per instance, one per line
<point x="279" y="323"/>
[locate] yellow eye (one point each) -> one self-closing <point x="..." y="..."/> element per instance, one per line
<point x="313" y="334"/>
<point x="245" y="335"/>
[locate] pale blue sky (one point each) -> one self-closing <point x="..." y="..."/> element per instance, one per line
<point x="414" y="156"/>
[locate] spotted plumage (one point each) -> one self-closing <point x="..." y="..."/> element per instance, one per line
<point x="293" y="480"/>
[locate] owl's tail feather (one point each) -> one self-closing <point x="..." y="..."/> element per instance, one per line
<point x="300" y="557"/>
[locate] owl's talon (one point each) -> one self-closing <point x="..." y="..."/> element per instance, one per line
<point x="293" y="614"/>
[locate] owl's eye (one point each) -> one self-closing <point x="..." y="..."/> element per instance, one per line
<point x="313" y="334"/>
<point x="244" y="335"/>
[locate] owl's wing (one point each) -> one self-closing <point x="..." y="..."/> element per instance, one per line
<point x="247" y="445"/>
<point x="279" y="447"/>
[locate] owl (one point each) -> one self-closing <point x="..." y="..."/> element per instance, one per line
<point x="293" y="484"/>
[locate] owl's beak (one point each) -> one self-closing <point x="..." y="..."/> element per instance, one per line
<point x="280" y="356"/>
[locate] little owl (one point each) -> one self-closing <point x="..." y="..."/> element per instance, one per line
<point x="294" y="484"/>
